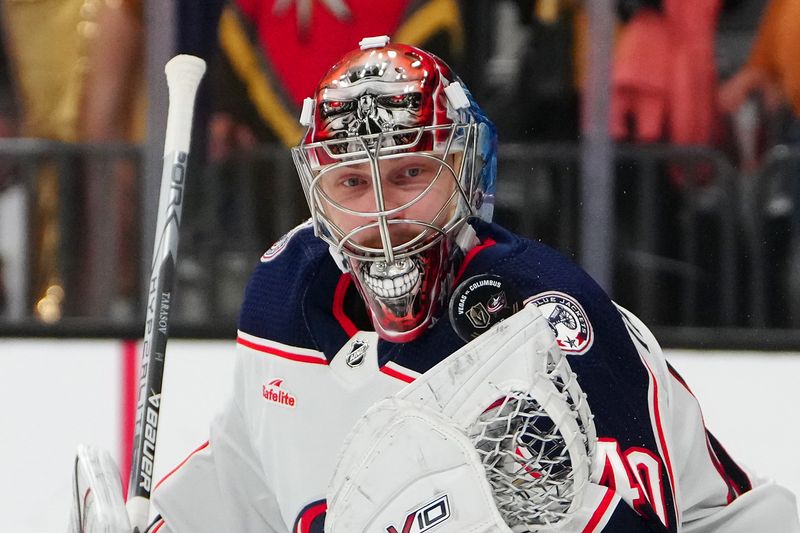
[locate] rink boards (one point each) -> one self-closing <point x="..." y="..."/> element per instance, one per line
<point x="59" y="393"/>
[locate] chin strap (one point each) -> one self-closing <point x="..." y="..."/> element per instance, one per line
<point x="339" y="259"/>
<point x="467" y="239"/>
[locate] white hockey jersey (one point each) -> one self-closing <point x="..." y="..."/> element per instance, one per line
<point x="307" y="370"/>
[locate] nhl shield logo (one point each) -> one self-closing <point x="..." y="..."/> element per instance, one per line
<point x="358" y="352"/>
<point x="567" y="319"/>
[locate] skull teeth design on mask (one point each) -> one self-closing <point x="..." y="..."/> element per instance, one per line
<point x="380" y="107"/>
<point x="392" y="280"/>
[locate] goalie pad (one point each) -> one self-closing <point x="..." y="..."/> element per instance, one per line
<point x="511" y="394"/>
<point x="97" y="502"/>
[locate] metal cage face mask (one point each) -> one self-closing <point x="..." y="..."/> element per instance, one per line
<point x="378" y="199"/>
<point x="392" y="171"/>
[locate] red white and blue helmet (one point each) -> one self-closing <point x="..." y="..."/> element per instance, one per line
<point x="391" y="109"/>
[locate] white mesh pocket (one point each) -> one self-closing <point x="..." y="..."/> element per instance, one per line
<point x="537" y="458"/>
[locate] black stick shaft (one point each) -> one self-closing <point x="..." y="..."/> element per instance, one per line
<point x="159" y="309"/>
<point x="183" y="77"/>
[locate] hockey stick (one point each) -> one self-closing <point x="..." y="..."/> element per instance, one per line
<point x="184" y="73"/>
<point x="98" y="505"/>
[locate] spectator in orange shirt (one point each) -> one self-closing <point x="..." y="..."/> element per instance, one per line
<point x="772" y="73"/>
<point x="773" y="69"/>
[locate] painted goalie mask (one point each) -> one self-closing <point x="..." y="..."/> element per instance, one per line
<point x="396" y="159"/>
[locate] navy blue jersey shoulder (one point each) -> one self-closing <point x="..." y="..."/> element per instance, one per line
<point x="600" y="350"/>
<point x="605" y="359"/>
<point x="290" y="299"/>
<point x="532" y="269"/>
<point x="587" y="324"/>
<point x="273" y="301"/>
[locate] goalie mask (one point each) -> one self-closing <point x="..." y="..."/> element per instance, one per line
<point x="396" y="159"/>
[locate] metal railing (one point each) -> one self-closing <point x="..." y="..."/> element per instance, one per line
<point x="692" y="235"/>
<point x="72" y="196"/>
<point x="664" y="195"/>
<point x="771" y="210"/>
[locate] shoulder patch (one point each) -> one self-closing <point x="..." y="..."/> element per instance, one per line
<point x="568" y="320"/>
<point x="280" y="245"/>
<point x="480" y="302"/>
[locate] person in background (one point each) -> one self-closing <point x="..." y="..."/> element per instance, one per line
<point x="48" y="86"/>
<point x="9" y="128"/>
<point x="772" y="71"/>
<point x="398" y="270"/>
<point x="664" y="73"/>
<point x="112" y="110"/>
<point x="664" y="85"/>
<point x="770" y="81"/>
<point x="258" y="86"/>
<point x="257" y="83"/>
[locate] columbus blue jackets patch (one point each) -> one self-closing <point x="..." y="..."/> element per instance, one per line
<point x="567" y="319"/>
<point x="280" y="244"/>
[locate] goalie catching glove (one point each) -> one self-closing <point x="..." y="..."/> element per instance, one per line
<point x="498" y="437"/>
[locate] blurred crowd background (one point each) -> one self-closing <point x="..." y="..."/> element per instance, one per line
<point x="702" y="117"/>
